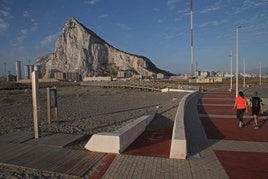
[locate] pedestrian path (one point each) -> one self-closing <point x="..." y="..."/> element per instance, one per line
<point x="215" y="145"/>
<point x="236" y="148"/>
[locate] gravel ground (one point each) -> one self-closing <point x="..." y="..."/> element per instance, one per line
<point x="82" y="110"/>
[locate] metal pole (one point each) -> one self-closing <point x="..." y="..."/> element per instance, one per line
<point x="5" y="68"/>
<point x="236" y="75"/>
<point x="244" y="74"/>
<point x="192" y="40"/>
<point x="231" y="70"/>
<point x="260" y="75"/>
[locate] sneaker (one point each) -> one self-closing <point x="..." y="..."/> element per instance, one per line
<point x="240" y="124"/>
<point x="256" y="127"/>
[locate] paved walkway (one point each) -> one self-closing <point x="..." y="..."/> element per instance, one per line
<point x="217" y="149"/>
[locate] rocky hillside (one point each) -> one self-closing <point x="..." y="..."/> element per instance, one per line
<point x="79" y="49"/>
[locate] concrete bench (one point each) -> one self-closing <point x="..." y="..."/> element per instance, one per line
<point x="119" y="140"/>
<point x="178" y="149"/>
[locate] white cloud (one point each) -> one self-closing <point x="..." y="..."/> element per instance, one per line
<point x="213" y="23"/>
<point x="3" y="25"/>
<point x="5" y="12"/>
<point x="249" y="4"/>
<point x="123" y="26"/>
<point x="26" y="14"/>
<point x="171" y="4"/>
<point x="34" y="26"/>
<point x="23" y="35"/>
<point x="4" y="17"/>
<point x="49" y="39"/>
<point x="91" y="2"/>
<point x="103" y="16"/>
<point x="210" y="9"/>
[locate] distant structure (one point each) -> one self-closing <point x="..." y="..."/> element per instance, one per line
<point x="68" y="76"/>
<point x="18" y="70"/>
<point x="27" y="71"/>
<point x="192" y="40"/>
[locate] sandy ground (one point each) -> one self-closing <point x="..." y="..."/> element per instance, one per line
<point x="83" y="110"/>
<point x="87" y="110"/>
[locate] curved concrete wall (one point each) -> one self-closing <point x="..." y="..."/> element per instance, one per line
<point x="178" y="147"/>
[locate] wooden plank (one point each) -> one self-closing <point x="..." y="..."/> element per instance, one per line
<point x="59" y="139"/>
<point x="10" y="151"/>
<point x="48" y="158"/>
<point x="79" y="162"/>
<point x="17" y="137"/>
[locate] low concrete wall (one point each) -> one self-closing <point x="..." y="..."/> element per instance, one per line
<point x="119" y="140"/>
<point x="178" y="147"/>
<point x="175" y="90"/>
<point x="98" y="78"/>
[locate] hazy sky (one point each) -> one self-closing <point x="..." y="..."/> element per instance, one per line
<point x="157" y="29"/>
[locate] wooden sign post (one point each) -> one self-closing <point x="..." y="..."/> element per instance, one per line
<point x="52" y="104"/>
<point x="35" y="88"/>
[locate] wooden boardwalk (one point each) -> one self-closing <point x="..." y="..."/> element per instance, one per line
<point x="47" y="153"/>
<point x="150" y="87"/>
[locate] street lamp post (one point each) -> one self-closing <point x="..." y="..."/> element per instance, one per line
<point x="244" y="74"/>
<point x="260" y="75"/>
<point x="236" y="75"/>
<point x="231" y="70"/>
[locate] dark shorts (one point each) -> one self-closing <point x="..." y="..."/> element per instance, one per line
<point x="240" y="114"/>
<point x="255" y="111"/>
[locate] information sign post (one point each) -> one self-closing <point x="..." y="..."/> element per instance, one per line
<point x="52" y="104"/>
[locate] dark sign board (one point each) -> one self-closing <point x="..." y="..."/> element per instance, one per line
<point x="53" y="97"/>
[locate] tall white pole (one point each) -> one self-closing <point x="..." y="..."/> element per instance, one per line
<point x="35" y="94"/>
<point x="192" y="40"/>
<point x="231" y="70"/>
<point x="260" y="75"/>
<point x="5" y="69"/>
<point x="244" y="74"/>
<point x="236" y="75"/>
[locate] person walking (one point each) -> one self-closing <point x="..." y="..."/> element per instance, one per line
<point x="240" y="106"/>
<point x="256" y="108"/>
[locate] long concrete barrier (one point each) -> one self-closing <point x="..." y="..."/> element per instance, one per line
<point x="119" y="140"/>
<point x="178" y="149"/>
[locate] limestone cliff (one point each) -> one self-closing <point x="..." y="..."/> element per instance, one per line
<point x="79" y="49"/>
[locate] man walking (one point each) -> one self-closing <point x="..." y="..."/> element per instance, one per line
<point x="256" y="108"/>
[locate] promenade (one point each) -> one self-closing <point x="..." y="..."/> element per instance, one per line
<point x="217" y="148"/>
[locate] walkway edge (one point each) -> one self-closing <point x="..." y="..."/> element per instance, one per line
<point x="178" y="149"/>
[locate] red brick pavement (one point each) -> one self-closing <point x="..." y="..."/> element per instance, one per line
<point x="246" y="165"/>
<point x="227" y="129"/>
<point x="219" y="110"/>
<point x="215" y="101"/>
<point x="151" y="143"/>
<point x="237" y="164"/>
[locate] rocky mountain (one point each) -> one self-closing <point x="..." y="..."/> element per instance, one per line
<point x="78" y="49"/>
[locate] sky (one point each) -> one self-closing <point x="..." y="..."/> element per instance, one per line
<point x="156" y="29"/>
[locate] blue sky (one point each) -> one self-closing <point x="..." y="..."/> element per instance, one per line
<point x="157" y="29"/>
